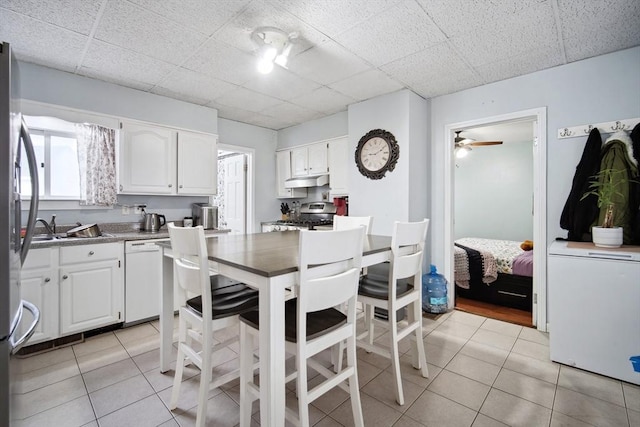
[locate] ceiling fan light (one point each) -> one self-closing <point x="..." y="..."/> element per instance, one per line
<point x="462" y="152"/>
<point x="269" y="53"/>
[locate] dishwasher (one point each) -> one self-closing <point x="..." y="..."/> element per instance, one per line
<point x="143" y="280"/>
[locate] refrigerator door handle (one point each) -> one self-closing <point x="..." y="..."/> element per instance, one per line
<point x="17" y="344"/>
<point x="35" y="190"/>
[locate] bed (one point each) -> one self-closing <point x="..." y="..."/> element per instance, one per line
<point x="494" y="271"/>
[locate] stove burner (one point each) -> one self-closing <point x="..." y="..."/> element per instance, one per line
<point x="308" y="223"/>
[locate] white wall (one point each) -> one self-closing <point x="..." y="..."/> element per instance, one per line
<point x="494" y="192"/>
<point x="402" y="194"/>
<point x="594" y="90"/>
<point x="313" y="131"/>
<point x="263" y="141"/>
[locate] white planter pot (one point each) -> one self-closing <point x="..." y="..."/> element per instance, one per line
<point x="607" y="237"/>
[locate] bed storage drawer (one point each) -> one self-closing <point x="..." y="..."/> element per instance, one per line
<point x="513" y="291"/>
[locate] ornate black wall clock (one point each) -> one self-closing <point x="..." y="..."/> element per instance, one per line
<point x="377" y="153"/>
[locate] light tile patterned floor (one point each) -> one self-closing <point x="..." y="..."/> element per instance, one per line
<point x="483" y="372"/>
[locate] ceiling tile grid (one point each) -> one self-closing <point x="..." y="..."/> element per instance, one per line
<point x="347" y="51"/>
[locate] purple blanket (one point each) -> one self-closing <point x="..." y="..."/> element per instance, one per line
<point x="523" y="264"/>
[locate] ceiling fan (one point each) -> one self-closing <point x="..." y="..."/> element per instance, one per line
<point x="463" y="145"/>
<point x="460" y="141"/>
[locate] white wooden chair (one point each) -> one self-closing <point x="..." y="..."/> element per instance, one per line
<point x="345" y="222"/>
<point x="407" y="245"/>
<point x="329" y="269"/>
<point x="216" y="306"/>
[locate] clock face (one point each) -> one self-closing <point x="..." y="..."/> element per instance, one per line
<point x="377" y="153"/>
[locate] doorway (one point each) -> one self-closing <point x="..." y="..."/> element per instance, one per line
<point x="235" y="189"/>
<point x="536" y="120"/>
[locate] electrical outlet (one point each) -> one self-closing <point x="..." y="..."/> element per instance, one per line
<point x="125" y="210"/>
<point x="139" y="209"/>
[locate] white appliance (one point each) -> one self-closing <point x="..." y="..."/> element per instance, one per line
<point x="143" y="279"/>
<point x="594" y="308"/>
<point x="13" y="249"/>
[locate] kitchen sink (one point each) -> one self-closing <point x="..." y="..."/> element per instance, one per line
<point x="43" y="237"/>
<point x="47" y="237"/>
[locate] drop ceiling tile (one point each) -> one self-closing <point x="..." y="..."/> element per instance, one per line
<point x="74" y="15"/>
<point x="290" y="112"/>
<point x="522" y="64"/>
<point x="224" y="62"/>
<point x="324" y="100"/>
<point x="520" y="34"/>
<point x="426" y="65"/>
<point x="327" y="63"/>
<point x="128" y="26"/>
<point x="600" y="23"/>
<point x="232" y="113"/>
<point x="401" y="30"/>
<point x="367" y="85"/>
<point x="334" y="17"/>
<point x="41" y="43"/>
<point x="275" y="123"/>
<point x="183" y="82"/>
<point x="238" y="31"/>
<point x="442" y="84"/>
<point x="123" y="65"/>
<point x="247" y="99"/>
<point x="204" y="16"/>
<point x="280" y="84"/>
<point x="457" y="17"/>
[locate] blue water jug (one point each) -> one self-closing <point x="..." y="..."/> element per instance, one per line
<point x="434" y="292"/>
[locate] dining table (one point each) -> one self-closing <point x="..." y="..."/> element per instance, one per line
<point x="267" y="262"/>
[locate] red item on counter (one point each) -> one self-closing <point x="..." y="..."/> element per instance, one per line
<point x="341" y="206"/>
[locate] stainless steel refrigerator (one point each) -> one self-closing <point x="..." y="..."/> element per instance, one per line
<point x="15" y="144"/>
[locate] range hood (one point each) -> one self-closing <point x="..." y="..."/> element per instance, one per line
<point x="307" y="181"/>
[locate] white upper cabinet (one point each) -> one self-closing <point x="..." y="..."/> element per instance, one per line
<point x="309" y="160"/>
<point x="197" y="163"/>
<point x="283" y="170"/>
<point x="160" y="160"/>
<point x="147" y="160"/>
<point x="338" y="167"/>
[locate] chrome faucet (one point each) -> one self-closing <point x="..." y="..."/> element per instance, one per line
<point x="50" y="231"/>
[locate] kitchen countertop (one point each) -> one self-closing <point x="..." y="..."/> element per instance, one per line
<point x="113" y="232"/>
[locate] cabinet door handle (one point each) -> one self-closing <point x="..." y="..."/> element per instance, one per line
<point x="180" y="186"/>
<point x="120" y="187"/>
<point x="65" y="277"/>
<point x="47" y="280"/>
<point x="91" y="253"/>
<point x="170" y="185"/>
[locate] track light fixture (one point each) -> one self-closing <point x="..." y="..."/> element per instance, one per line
<point x="274" y="47"/>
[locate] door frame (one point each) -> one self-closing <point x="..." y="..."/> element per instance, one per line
<point x="539" y="115"/>
<point x="250" y="183"/>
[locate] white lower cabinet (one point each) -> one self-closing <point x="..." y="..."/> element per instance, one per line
<point x="39" y="285"/>
<point x="91" y="286"/>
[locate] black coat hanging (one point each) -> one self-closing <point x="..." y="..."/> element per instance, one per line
<point x="578" y="214"/>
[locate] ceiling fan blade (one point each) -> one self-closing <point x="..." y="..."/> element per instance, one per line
<point x="483" y="143"/>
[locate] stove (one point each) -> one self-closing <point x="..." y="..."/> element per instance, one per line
<point x="312" y="215"/>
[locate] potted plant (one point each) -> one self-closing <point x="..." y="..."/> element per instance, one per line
<point x="607" y="186"/>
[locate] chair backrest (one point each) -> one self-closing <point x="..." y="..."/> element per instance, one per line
<point x="190" y="261"/>
<point x="407" y="247"/>
<point x="329" y="268"/>
<point x="345" y="222"/>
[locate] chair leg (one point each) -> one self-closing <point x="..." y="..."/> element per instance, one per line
<point x="177" y="379"/>
<point x="354" y="388"/>
<point x="303" y="392"/>
<point x="419" y="356"/>
<point x="369" y="313"/>
<point x="246" y="375"/>
<point x="395" y="355"/>
<point x="337" y="354"/>
<point x="205" y="380"/>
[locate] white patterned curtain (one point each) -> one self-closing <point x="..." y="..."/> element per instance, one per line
<point x="97" y="160"/>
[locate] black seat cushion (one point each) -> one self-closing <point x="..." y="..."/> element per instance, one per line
<point x="318" y="322"/>
<point x="229" y="298"/>
<point x="376" y="287"/>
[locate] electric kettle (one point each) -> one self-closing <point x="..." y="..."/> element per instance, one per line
<point x="153" y="221"/>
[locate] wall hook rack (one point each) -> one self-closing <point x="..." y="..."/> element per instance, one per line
<point x="604" y="127"/>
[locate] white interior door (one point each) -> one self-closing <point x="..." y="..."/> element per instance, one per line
<point x="234" y="193"/>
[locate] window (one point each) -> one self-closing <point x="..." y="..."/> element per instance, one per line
<point x="58" y="169"/>
<point x="57" y="160"/>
